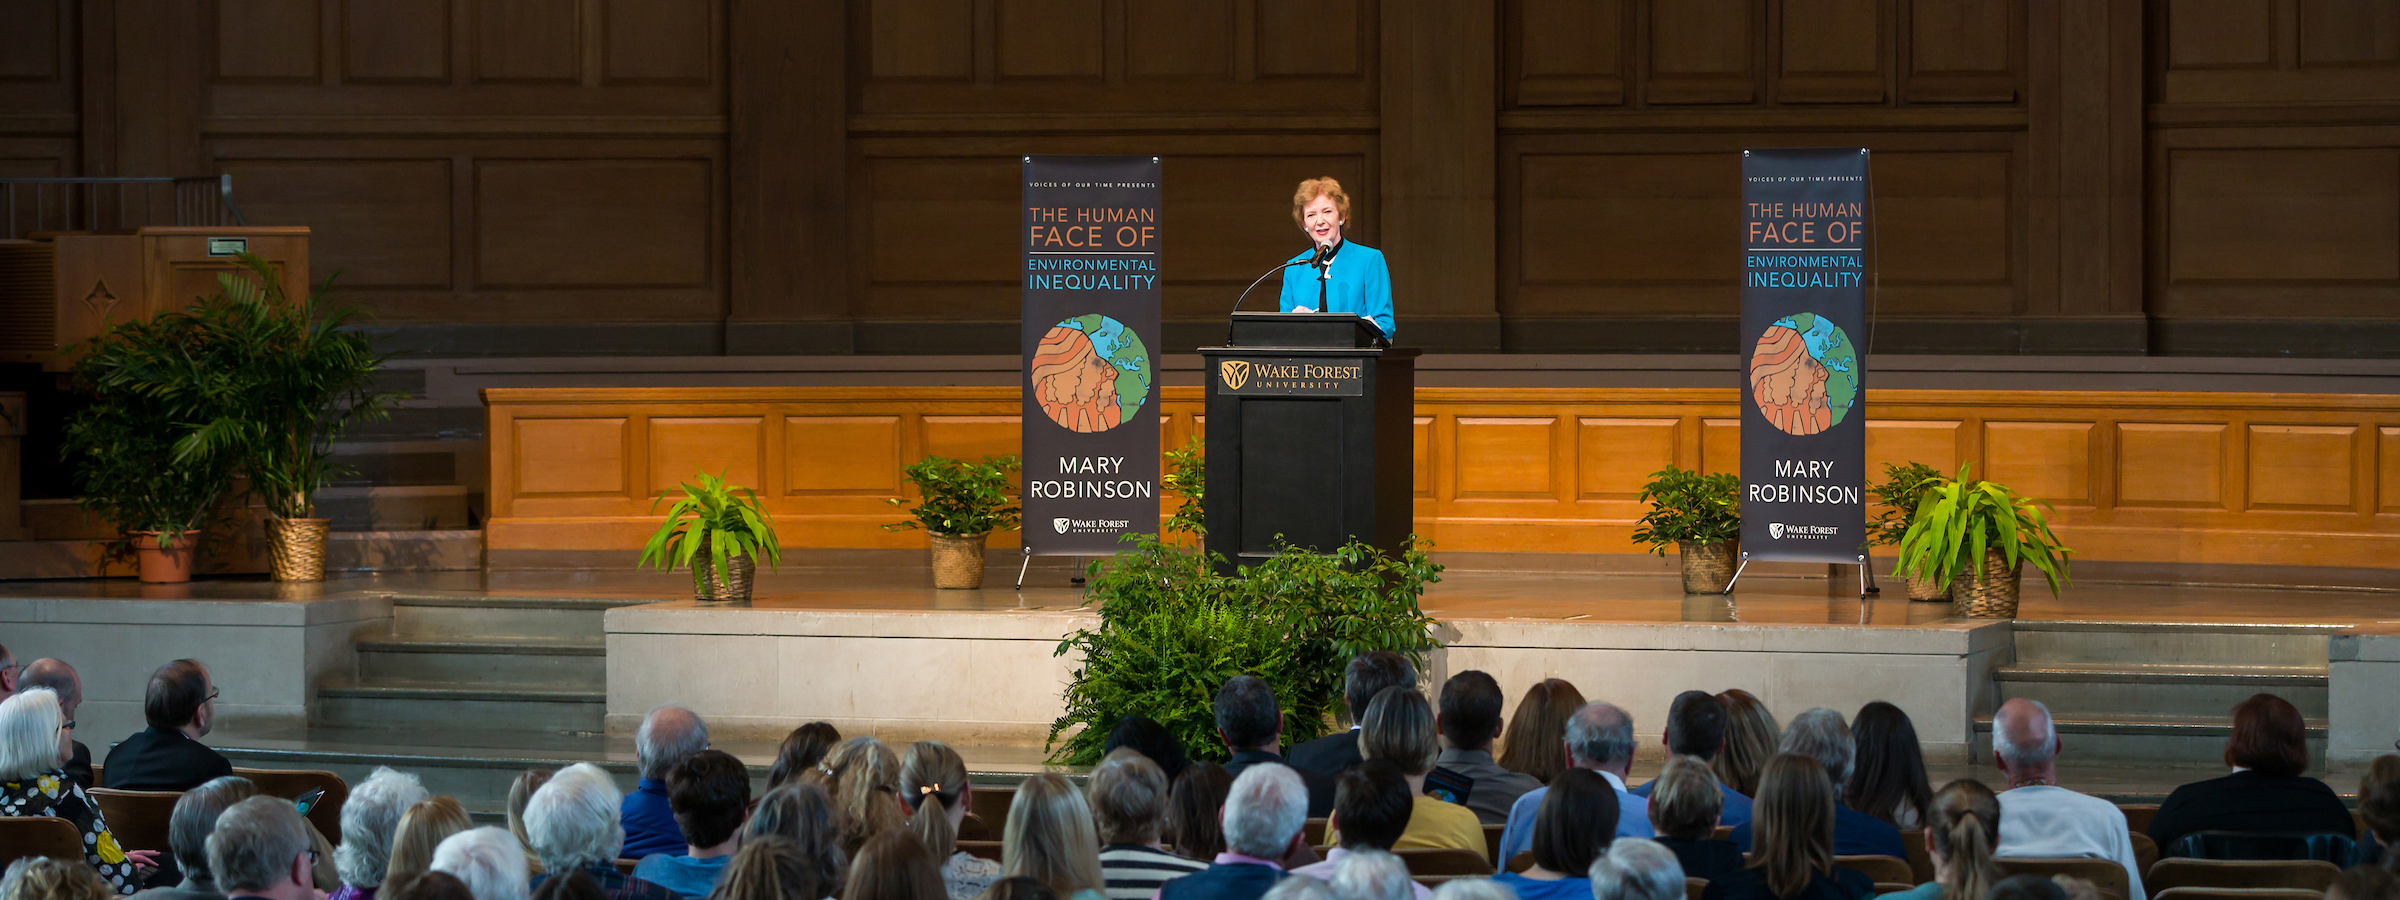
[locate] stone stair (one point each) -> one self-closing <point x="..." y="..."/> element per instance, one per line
<point x="2147" y="691"/>
<point x="521" y="664"/>
<point x="414" y="501"/>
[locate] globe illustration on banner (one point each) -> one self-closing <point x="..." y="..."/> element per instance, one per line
<point x="1804" y="374"/>
<point x="1090" y="373"/>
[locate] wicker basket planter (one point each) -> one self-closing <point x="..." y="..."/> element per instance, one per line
<point x="1922" y="586"/>
<point x="172" y="565"/>
<point x="1708" y="568"/>
<point x="730" y="586"/>
<point x="1994" y="597"/>
<point x="957" y="560"/>
<point x="296" y="548"/>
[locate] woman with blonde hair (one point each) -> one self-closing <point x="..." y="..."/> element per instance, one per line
<point x="48" y="878"/>
<point x="1685" y="806"/>
<point x="773" y="868"/>
<point x="1336" y="275"/>
<point x="1962" y="832"/>
<point x="1536" y="737"/>
<point x="520" y="791"/>
<point x="864" y="781"/>
<point x="421" y="831"/>
<point x="1398" y="728"/>
<point x="933" y="780"/>
<point x="893" y="865"/>
<point x="1751" y="736"/>
<point x="1793" y="848"/>
<point x="1049" y="838"/>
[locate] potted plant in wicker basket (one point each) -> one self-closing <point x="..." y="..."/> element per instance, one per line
<point x="718" y="530"/>
<point x="1702" y="516"/>
<point x="1977" y="535"/>
<point x="1901" y="492"/>
<point x="959" y="505"/>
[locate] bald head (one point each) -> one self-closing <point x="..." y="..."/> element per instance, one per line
<point x="2023" y="735"/>
<point x="57" y="676"/>
<point x="668" y="736"/>
<point x="1600" y="736"/>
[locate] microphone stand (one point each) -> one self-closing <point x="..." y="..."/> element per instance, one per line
<point x="1237" y="301"/>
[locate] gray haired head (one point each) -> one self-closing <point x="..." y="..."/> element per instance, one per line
<point x="1637" y="869"/>
<point x="1600" y="734"/>
<point x="668" y="736"/>
<point x="369" y="818"/>
<point x="1822" y="735"/>
<point x="195" y="818"/>
<point x="1371" y="875"/>
<point x="255" y="845"/>
<point x="1267" y="805"/>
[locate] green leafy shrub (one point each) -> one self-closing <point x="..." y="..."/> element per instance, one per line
<point x="1187" y="478"/>
<point x="961" y="499"/>
<point x="723" y="520"/>
<point x="1688" y="506"/>
<point x="1172" y="631"/>
<point x="1901" y="492"/>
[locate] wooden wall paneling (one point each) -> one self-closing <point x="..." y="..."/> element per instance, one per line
<point x="395" y="41"/>
<point x="1438" y="150"/>
<point x="1720" y="444"/>
<point x="600" y="223"/>
<point x="662" y="42"/>
<point x="1314" y="37"/>
<point x="528" y="41"/>
<point x="734" y="447"/>
<point x="1703" y="51"/>
<point x="1421" y="443"/>
<point x="2221" y="34"/>
<point x="1948" y="224"/>
<point x="950" y="203"/>
<point x="1566" y="52"/>
<point x="384" y="223"/>
<point x="2085" y="226"/>
<point x="2270" y="51"/>
<point x="1618" y="233"/>
<point x="571" y="456"/>
<point x="932" y="40"/>
<point x="2051" y="461"/>
<point x="1614" y="457"/>
<point x="2387" y="470"/>
<point x="269" y="41"/>
<point x="1050" y="39"/>
<point x="1831" y="51"/>
<point x="2304" y="231"/>
<point x="2344" y="33"/>
<point x="41" y="64"/>
<point x="842" y="455"/>
<point x="1962" y="51"/>
<point x="2307" y="467"/>
<point x="1179" y="39"/>
<point x="1900" y="441"/>
<point x="1506" y="458"/>
<point x="2171" y="464"/>
<point x="787" y="153"/>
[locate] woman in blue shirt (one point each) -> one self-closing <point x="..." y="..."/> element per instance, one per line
<point x="1349" y="277"/>
<point x="1577" y="820"/>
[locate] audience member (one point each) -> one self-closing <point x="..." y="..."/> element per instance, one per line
<point x="1473" y="889"/>
<point x="1371" y="875"/>
<point x="1193" y="808"/>
<point x="1577" y="821"/>
<point x="180" y="707"/>
<point x="2364" y="883"/>
<point x="1366" y="675"/>
<point x="578" y="886"/>
<point x="1128" y="796"/>
<point x="710" y="793"/>
<point x="1962" y="833"/>
<point x="489" y="860"/>
<point x="1637" y="869"/>
<point x="800" y="813"/>
<point x="1599" y="737"/>
<point x="2266" y="792"/>
<point x="933" y="779"/>
<point x="9" y="672"/>
<point x="33" y="744"/>
<point x="1696" y="728"/>
<point x="1887" y="775"/>
<point x="894" y="865"/>
<point x="430" y="885"/>
<point x="1049" y="838"/>
<point x="1469" y="722"/>
<point x="863" y="778"/>
<point x="1684" y="806"/>
<point x="2027" y="887"/>
<point x="261" y="848"/>
<point x="773" y="868"/>
<point x="1371" y="808"/>
<point x="1751" y="736"/>
<point x="1399" y="729"/>
<point x="2037" y="817"/>
<point x="1251" y="725"/>
<point x="1530" y="748"/>
<point x="1300" y="887"/>
<point x="668" y="736"/>
<point x="519" y="791"/>
<point x="2379" y="804"/>
<point x="46" y="878"/>
<point x="61" y="679"/>
<point x="1820" y="734"/>
<point x="1264" y="814"/>
<point x="188" y="828"/>
<point x="574" y="824"/>
<point x="421" y="831"/>
<point x="803" y="751"/>
<point x="370" y="819"/>
<point x="1019" y="888"/>
<point x="1794" y="817"/>
<point x="1142" y="734"/>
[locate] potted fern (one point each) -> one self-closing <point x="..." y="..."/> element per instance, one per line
<point x="1702" y="516"/>
<point x="717" y="530"/>
<point x="1977" y="536"/>
<point x="959" y="505"/>
<point x="1901" y="492"/>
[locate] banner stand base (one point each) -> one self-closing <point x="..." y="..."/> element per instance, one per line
<point x="1028" y="564"/>
<point x="1864" y="573"/>
<point x="1737" y="573"/>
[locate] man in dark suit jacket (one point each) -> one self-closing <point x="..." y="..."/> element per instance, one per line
<point x="1251" y="725"/>
<point x="188" y="827"/>
<point x="1264" y="823"/>
<point x="1367" y="674"/>
<point x="180" y="706"/>
<point x="60" y="678"/>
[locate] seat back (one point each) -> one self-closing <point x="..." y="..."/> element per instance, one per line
<point x="1883" y="869"/>
<point x="2138" y="816"/>
<point x="1694" y="887"/>
<point x="291" y="783"/>
<point x="1491" y="840"/>
<point x="1314" y="831"/>
<point x="2297" y="874"/>
<point x="2145" y="855"/>
<point x="2333" y="848"/>
<point x="627" y="864"/>
<point x="1920" y="860"/>
<point x="1723" y="833"/>
<point x="1520" y="862"/>
<point x="986" y="849"/>
<point x="2104" y="874"/>
<point x="991" y="805"/>
<point x="138" y="819"/>
<point x="974" y="828"/>
<point x="24" y="836"/>
<point x="1444" y="861"/>
<point x="2209" y="893"/>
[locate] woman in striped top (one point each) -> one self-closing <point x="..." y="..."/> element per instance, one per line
<point x="1129" y="802"/>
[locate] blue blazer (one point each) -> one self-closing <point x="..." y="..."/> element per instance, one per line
<point x="1356" y="282"/>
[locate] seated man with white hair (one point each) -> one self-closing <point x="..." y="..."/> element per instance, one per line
<point x="262" y="848"/>
<point x="571" y="823"/>
<point x="668" y="736"/>
<point x="1263" y="816"/>
<point x="488" y="859"/>
<point x="1634" y="869"/>
<point x="1365" y="874"/>
<point x="369" y="818"/>
<point x="1822" y="735"/>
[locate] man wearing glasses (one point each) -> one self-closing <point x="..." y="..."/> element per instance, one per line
<point x="261" y="848"/>
<point x="168" y="756"/>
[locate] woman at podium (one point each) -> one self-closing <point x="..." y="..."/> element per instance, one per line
<point x="1340" y="276"/>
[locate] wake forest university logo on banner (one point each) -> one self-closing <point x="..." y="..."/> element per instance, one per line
<point x="1091" y="292"/>
<point x="1803" y="298"/>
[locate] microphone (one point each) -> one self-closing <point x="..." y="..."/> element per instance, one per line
<point x="1237" y="301"/>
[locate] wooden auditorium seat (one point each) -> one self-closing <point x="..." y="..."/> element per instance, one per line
<point x="1920" y="860"/>
<point x="626" y="865"/>
<point x="1883" y="869"/>
<point x="137" y="818"/>
<point x="2201" y="893"/>
<point x="2104" y="874"/>
<point x="2294" y="874"/>
<point x="1313" y="830"/>
<point x="974" y="828"/>
<point x="1694" y="887"/>
<point x="291" y="783"/>
<point x="23" y="836"/>
<point x="2138" y="816"/>
<point x="1521" y="862"/>
<point x="991" y="805"/>
<point x="1444" y="861"/>
<point x="1491" y="840"/>
<point x="986" y="849"/>
<point x="2145" y="855"/>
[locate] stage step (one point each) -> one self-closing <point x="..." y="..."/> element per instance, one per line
<point x="2201" y="692"/>
<point x="422" y="507"/>
<point x="2122" y="643"/>
<point x="2146" y="690"/>
<point x="555" y="662"/>
<point x="434" y="615"/>
<point x="459" y="550"/>
<point x="2163" y="738"/>
<point x="524" y="665"/>
<point x="419" y="704"/>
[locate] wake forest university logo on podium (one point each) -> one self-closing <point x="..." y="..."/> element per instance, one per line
<point x="1315" y="376"/>
<point x="1235" y="372"/>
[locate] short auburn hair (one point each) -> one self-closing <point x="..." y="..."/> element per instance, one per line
<point x="2269" y="737"/>
<point x="1313" y="188"/>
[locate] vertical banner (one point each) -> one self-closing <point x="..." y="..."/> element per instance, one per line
<point x="1090" y="336"/>
<point x="1803" y="307"/>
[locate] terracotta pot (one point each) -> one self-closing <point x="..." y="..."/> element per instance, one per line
<point x="296" y="548"/>
<point x="1708" y="568"/>
<point x="172" y="565"/>
<point x="957" y="561"/>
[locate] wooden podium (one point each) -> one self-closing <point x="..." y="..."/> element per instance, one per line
<point x="1309" y="436"/>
